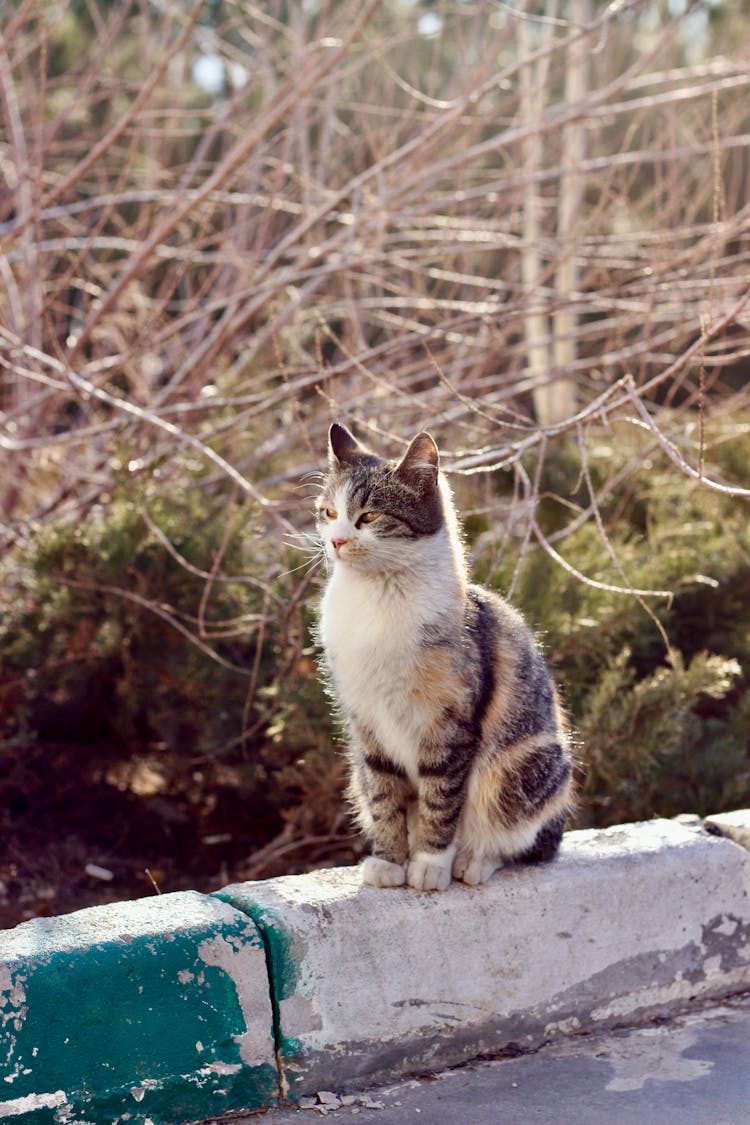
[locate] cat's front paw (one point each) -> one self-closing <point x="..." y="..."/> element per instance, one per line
<point x="377" y="872"/>
<point x="429" y="872"/>
<point x="472" y="869"/>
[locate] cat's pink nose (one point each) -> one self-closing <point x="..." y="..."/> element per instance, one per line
<point x="338" y="544"/>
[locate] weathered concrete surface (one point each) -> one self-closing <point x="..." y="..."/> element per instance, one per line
<point x="156" y="1010"/>
<point x="627" y="922"/>
<point x="159" y="1010"/>
<point x="692" y="1070"/>
<point x="734" y="825"/>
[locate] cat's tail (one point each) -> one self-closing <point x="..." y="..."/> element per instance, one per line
<point x="547" y="842"/>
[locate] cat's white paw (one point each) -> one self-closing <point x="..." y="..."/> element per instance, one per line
<point x="429" y="872"/>
<point x="472" y="869"/>
<point x="377" y="872"/>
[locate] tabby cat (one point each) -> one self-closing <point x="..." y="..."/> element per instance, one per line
<point x="459" y="759"/>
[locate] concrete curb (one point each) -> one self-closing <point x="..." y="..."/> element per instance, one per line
<point x="181" y="1007"/>
<point x="627" y="922"/>
<point x="156" y="1010"/>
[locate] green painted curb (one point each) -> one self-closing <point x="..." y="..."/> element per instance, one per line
<point x="150" y="1011"/>
<point x="282" y="960"/>
<point x="293" y="990"/>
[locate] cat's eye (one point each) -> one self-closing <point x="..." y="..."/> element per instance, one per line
<point x="330" y="513"/>
<point x="368" y="517"/>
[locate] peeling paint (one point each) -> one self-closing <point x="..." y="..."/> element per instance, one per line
<point x="729" y="926"/>
<point x="32" y="1102"/>
<point x="563" y="1027"/>
<point x="219" y="1067"/>
<point x="727" y="936"/>
<point x="245" y="967"/>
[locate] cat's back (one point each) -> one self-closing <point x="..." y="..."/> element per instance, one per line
<point x="522" y="698"/>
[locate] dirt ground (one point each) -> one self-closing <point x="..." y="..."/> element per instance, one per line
<point x="72" y="844"/>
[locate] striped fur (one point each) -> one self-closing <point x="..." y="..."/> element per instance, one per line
<point x="459" y="758"/>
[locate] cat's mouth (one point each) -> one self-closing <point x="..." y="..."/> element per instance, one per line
<point x="349" y="551"/>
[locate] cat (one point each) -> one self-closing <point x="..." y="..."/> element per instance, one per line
<point x="459" y="760"/>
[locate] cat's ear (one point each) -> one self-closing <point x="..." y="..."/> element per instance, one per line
<point x="343" y="447"/>
<point x="421" y="459"/>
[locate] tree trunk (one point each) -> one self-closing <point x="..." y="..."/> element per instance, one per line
<point x="533" y="98"/>
<point x="572" y="183"/>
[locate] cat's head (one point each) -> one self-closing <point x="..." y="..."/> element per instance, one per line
<point x="372" y="512"/>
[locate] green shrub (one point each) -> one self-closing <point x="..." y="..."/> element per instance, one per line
<point x="661" y="730"/>
<point x="126" y="667"/>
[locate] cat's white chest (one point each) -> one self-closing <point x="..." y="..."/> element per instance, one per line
<point x="371" y="642"/>
<point x="370" y="639"/>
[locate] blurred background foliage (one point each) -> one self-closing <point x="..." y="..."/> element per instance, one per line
<point x="522" y="226"/>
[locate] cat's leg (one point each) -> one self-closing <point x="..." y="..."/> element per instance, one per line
<point x="522" y="843"/>
<point x="388" y="791"/>
<point x="412" y="825"/>
<point x="478" y="855"/>
<point x="433" y="842"/>
<point x="426" y="871"/>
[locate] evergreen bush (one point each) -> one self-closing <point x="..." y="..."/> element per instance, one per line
<point x="135" y="671"/>
<point x="657" y="688"/>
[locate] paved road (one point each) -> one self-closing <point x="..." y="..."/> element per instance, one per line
<point x="694" y="1070"/>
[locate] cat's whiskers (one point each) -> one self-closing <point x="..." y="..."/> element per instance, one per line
<point x="309" y="564"/>
<point x="307" y="536"/>
<point x="312" y="480"/>
<point x="308" y="545"/>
